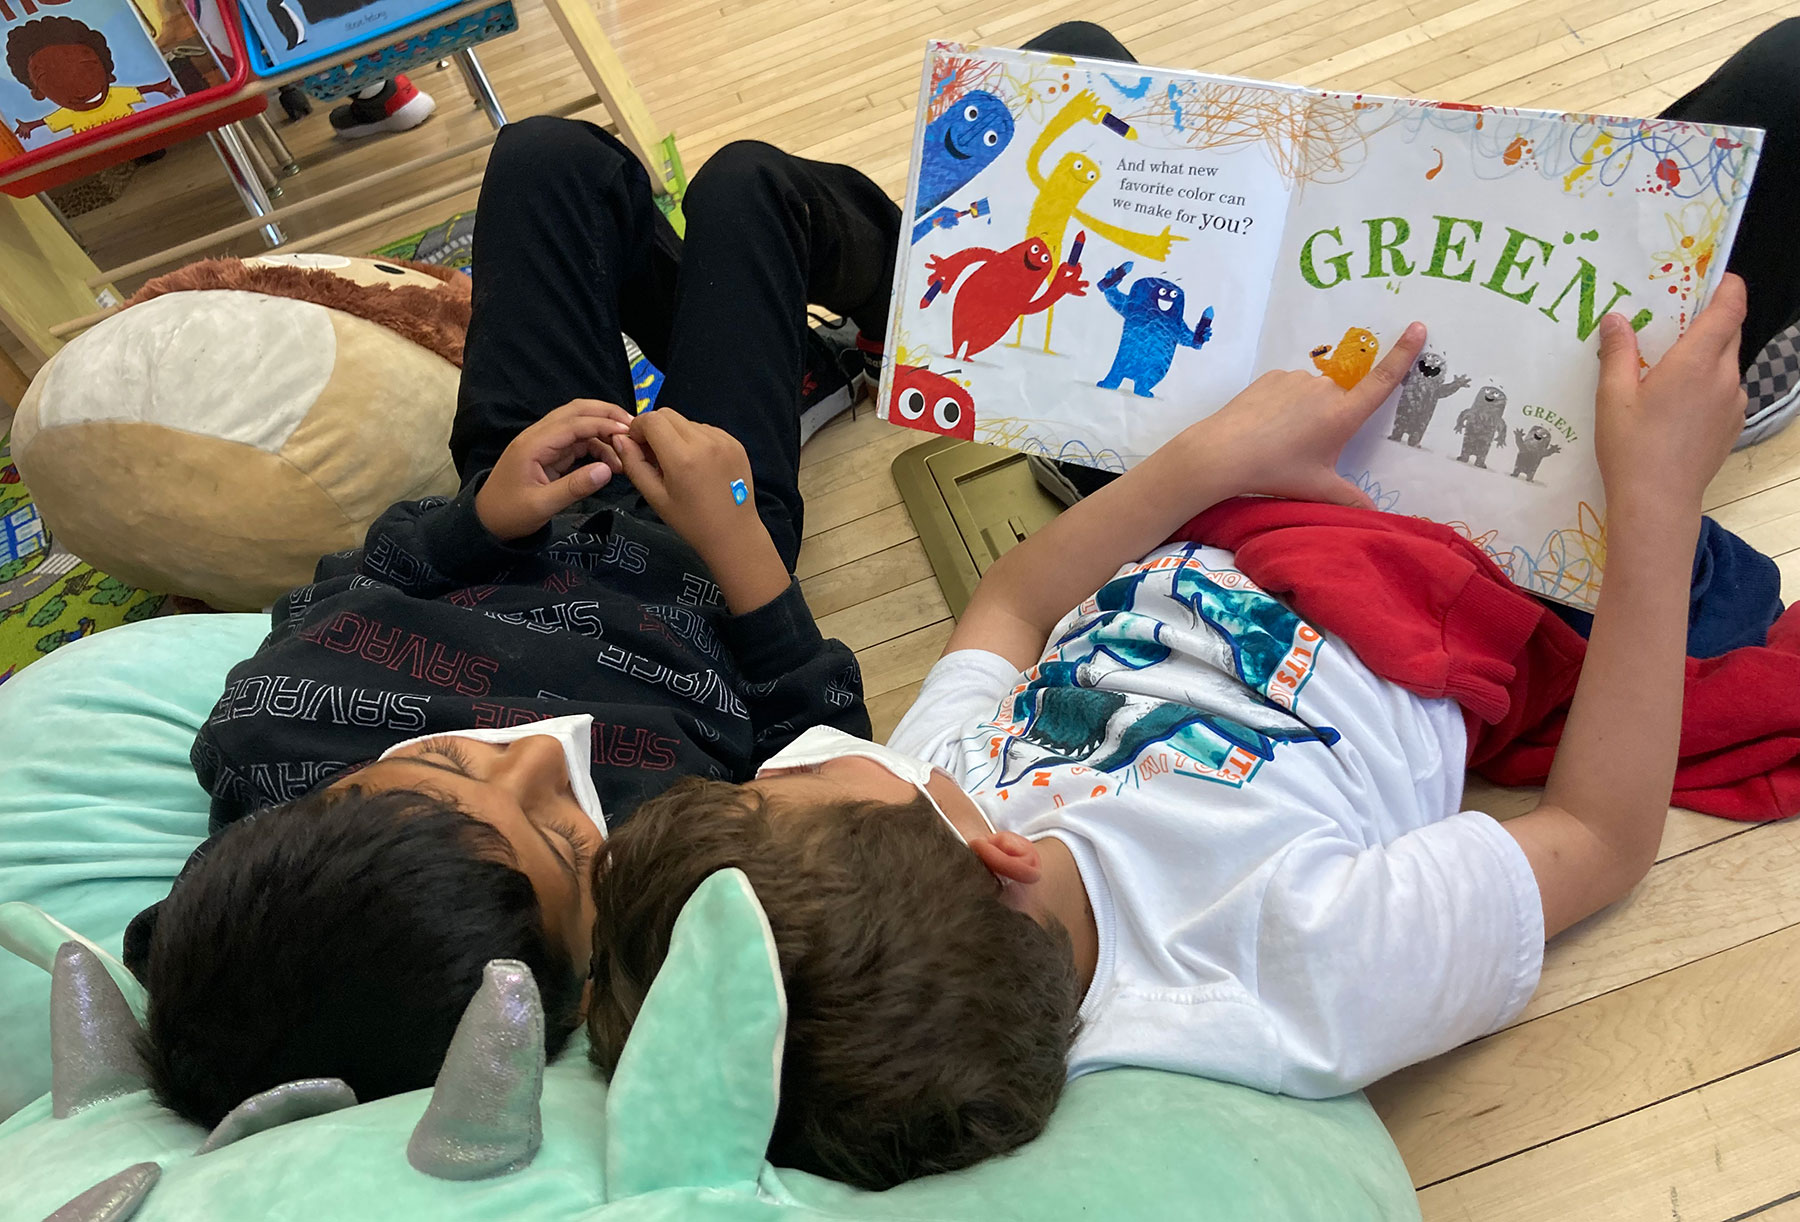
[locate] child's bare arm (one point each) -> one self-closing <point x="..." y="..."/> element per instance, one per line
<point x="1281" y="436"/>
<point x="1659" y="441"/>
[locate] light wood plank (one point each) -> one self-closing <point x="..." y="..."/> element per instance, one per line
<point x="1580" y="1067"/>
<point x="903" y="660"/>
<point x="852" y="430"/>
<point x="1694" y="905"/>
<point x="1759" y="468"/>
<point x="858" y="500"/>
<point x="1787" y="1210"/>
<point x="844" y="470"/>
<point x="1712" y="1154"/>
<point x="860" y="580"/>
<point x="889" y="615"/>
<point x="580" y="28"/>
<point x="854" y="540"/>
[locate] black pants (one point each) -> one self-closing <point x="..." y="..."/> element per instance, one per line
<point x="1760" y="87"/>
<point x="571" y="254"/>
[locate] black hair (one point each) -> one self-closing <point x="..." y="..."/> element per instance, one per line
<point x="339" y="936"/>
<point x="27" y="40"/>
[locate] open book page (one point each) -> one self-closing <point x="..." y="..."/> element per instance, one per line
<point x="1509" y="233"/>
<point x="1089" y="254"/>
<point x="1101" y="254"/>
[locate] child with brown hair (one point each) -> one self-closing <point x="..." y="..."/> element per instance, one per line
<point x="1180" y="810"/>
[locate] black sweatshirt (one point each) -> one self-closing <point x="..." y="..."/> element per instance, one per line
<point x="435" y="625"/>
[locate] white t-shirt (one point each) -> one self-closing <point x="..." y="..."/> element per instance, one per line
<point x="1285" y="892"/>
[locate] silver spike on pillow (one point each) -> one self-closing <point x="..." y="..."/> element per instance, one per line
<point x="92" y="1056"/>
<point x="484" y="1119"/>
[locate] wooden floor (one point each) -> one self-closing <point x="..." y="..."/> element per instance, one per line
<point x="1657" y="1073"/>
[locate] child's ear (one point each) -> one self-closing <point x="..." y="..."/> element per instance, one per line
<point x="1010" y="856"/>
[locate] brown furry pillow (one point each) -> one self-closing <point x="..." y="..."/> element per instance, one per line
<point x="436" y="319"/>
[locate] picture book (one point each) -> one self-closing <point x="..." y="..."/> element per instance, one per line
<point x="72" y="65"/>
<point x="298" y="31"/>
<point x="1098" y="254"/>
<point x="193" y="59"/>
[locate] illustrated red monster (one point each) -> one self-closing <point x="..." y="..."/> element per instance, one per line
<point x="932" y="402"/>
<point x="999" y="291"/>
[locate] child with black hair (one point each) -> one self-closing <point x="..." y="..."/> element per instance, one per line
<point x="411" y="775"/>
<point x="65" y="61"/>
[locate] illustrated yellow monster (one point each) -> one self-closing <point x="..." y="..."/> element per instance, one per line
<point x="1060" y="194"/>
<point x="1353" y="357"/>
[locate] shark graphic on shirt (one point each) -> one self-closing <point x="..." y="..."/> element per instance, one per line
<point x="1104" y="694"/>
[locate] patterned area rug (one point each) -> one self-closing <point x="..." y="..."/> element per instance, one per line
<point x="447" y="243"/>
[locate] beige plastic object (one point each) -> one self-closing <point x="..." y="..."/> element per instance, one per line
<point x="971" y="504"/>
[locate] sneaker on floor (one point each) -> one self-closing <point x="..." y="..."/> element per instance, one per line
<point x="837" y="374"/>
<point x="1772" y="386"/>
<point x="399" y="106"/>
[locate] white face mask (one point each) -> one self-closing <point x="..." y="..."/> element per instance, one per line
<point x="822" y="743"/>
<point x="576" y="734"/>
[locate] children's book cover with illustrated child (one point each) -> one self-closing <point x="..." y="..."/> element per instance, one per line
<point x="72" y="65"/>
<point x="1102" y="253"/>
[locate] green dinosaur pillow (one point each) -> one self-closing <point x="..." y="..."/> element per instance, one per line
<point x="681" y="1131"/>
<point x="98" y="807"/>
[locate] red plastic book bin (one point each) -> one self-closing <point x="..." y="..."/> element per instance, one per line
<point x="111" y="150"/>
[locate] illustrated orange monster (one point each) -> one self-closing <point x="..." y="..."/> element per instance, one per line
<point x="932" y="402"/>
<point x="1351" y="360"/>
<point x="1003" y="287"/>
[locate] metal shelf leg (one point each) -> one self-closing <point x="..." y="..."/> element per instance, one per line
<point x="478" y="84"/>
<point x="229" y="145"/>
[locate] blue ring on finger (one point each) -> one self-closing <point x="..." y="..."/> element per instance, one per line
<point x="740" y="492"/>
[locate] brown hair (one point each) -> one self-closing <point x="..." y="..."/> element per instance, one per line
<point x="929" y="1024"/>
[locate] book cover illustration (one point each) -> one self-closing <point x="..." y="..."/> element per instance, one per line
<point x="193" y="60"/>
<point x="297" y="31"/>
<point x="77" y="64"/>
<point x="1100" y="254"/>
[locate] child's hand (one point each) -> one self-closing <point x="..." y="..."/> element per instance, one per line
<point x="1283" y="433"/>
<point x="697" y="478"/>
<point x="687" y="471"/>
<point x="537" y="477"/>
<point x="1660" y="439"/>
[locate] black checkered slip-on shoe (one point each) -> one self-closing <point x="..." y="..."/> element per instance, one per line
<point x="1772" y="384"/>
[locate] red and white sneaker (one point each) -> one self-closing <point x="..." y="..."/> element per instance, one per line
<point x="396" y="107"/>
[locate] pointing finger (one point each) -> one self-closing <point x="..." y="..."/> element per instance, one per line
<point x="1380" y="381"/>
<point x="1618" y="358"/>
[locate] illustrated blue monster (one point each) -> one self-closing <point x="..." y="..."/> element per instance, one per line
<point x="1155" y="326"/>
<point x="960" y="143"/>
